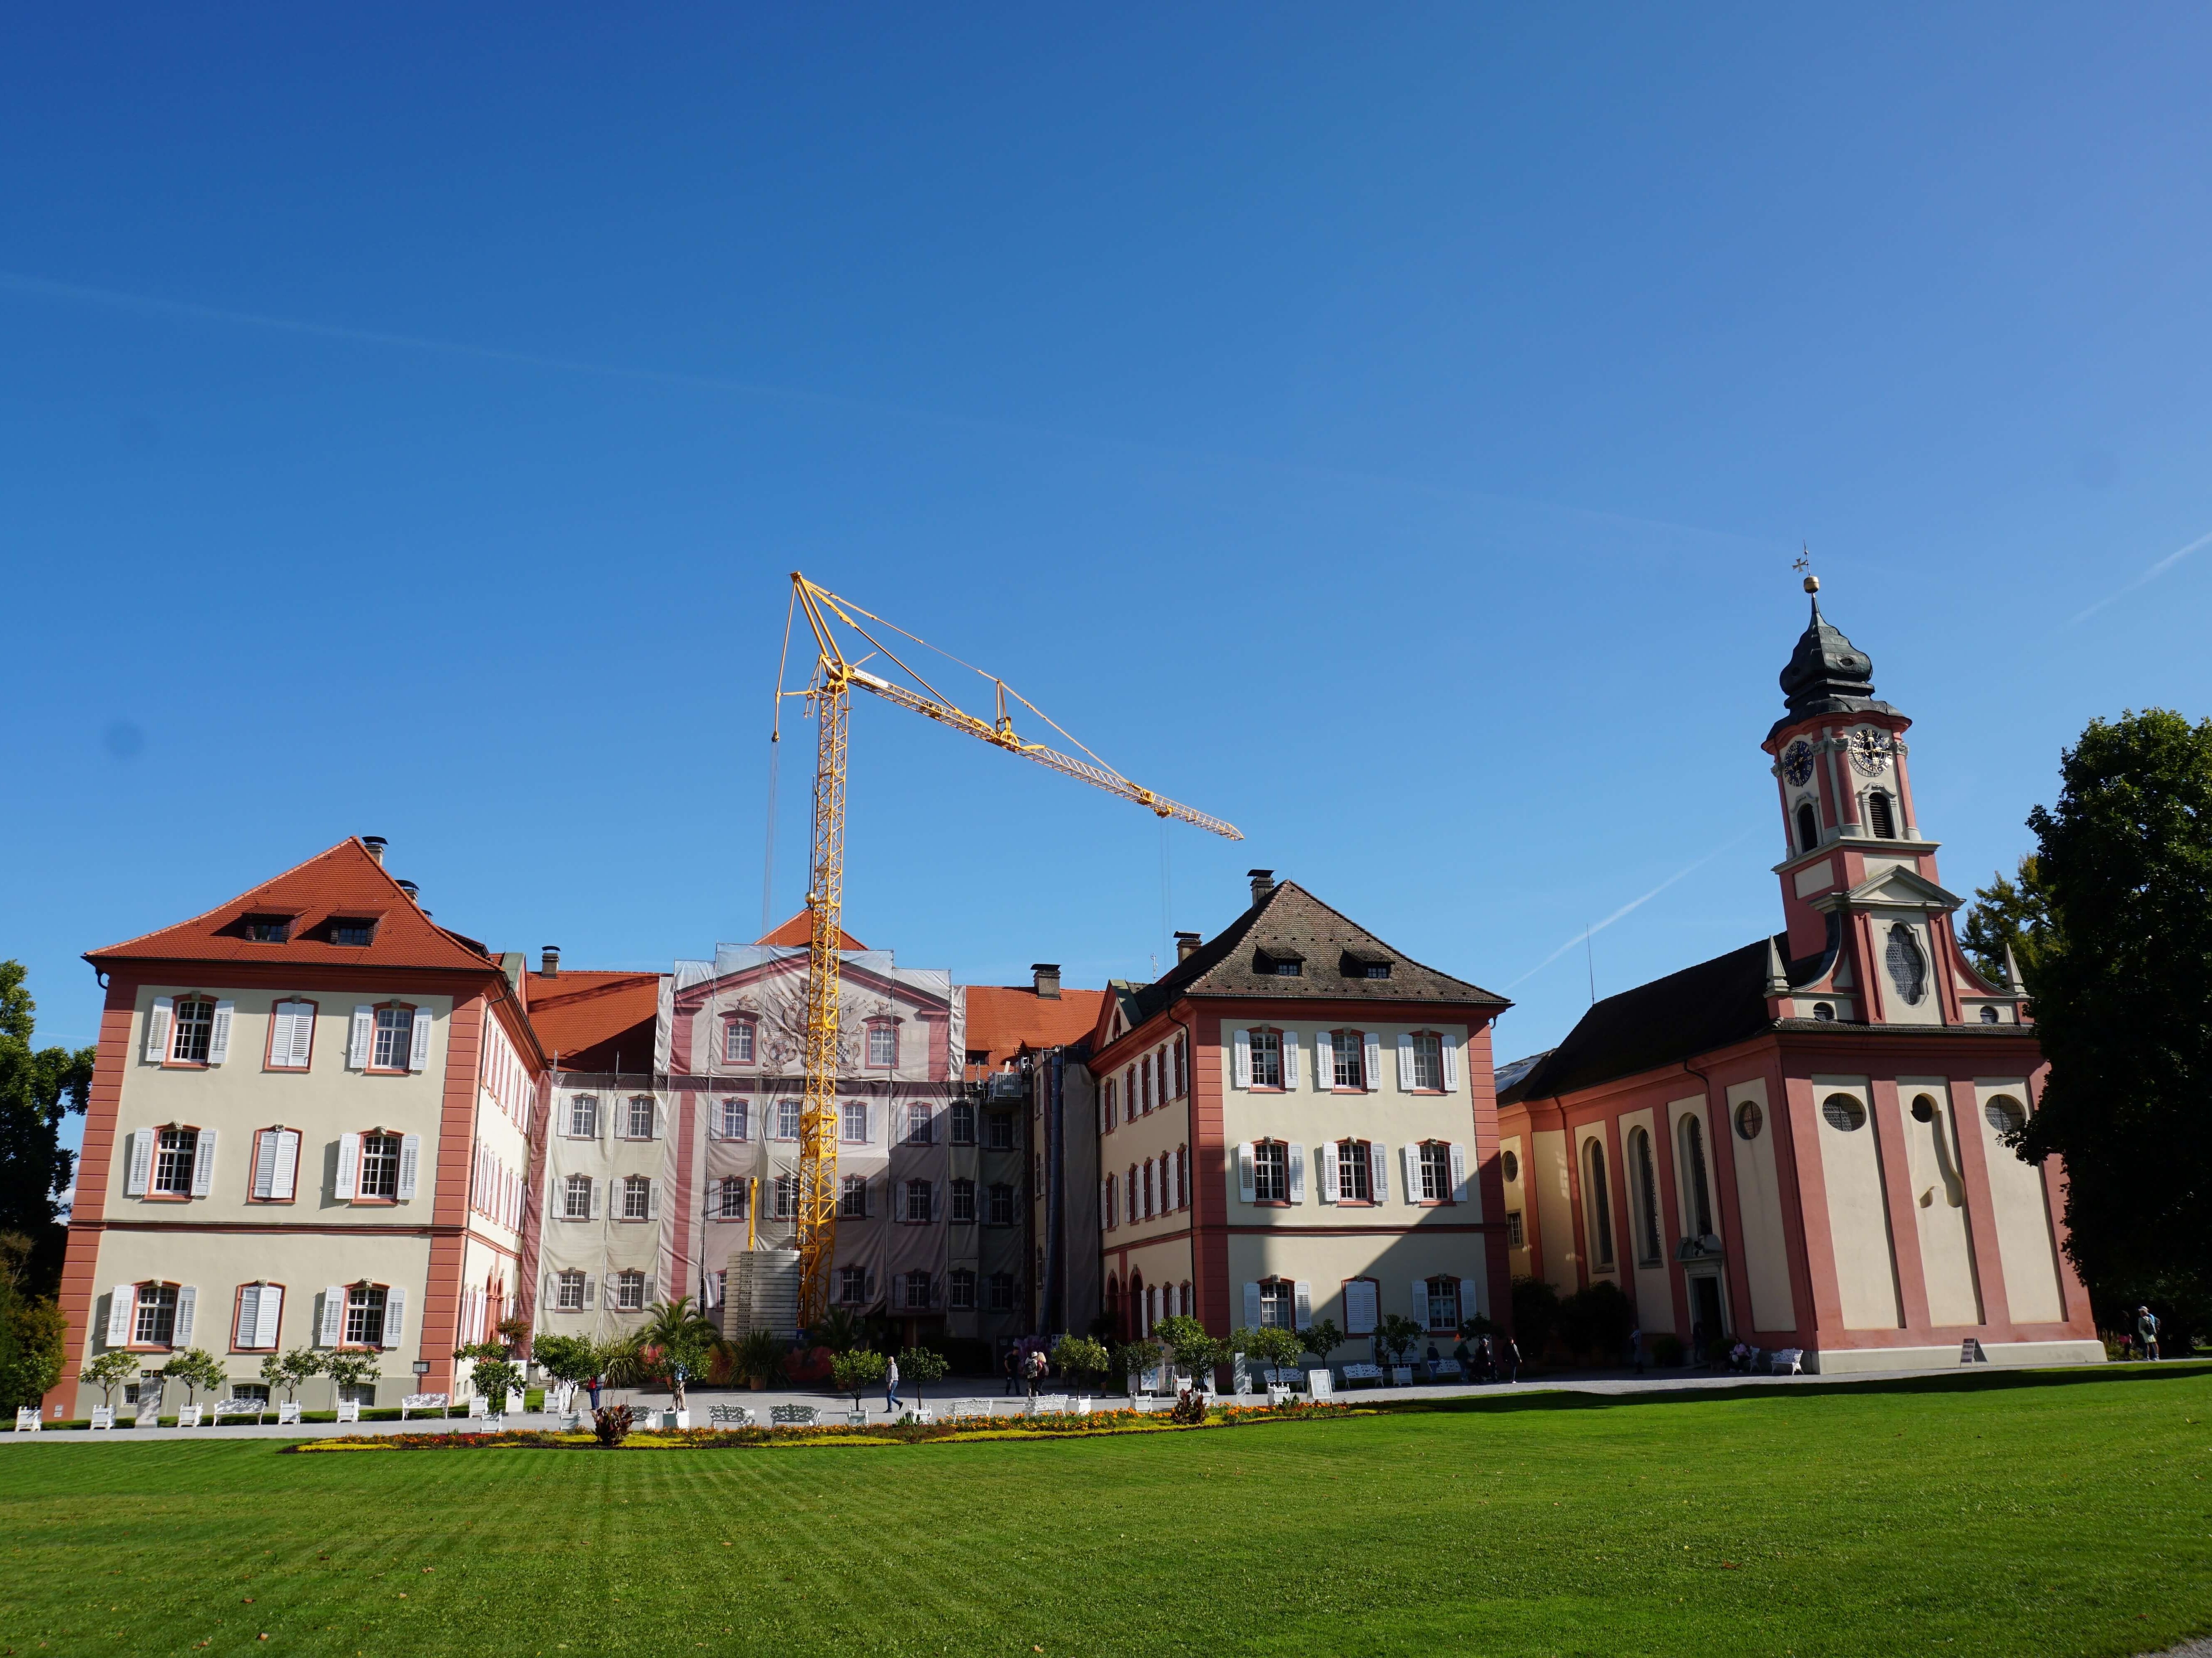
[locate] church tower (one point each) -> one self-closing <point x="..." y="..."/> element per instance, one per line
<point x="1870" y="937"/>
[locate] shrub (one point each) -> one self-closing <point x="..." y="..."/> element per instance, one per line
<point x="1321" y="1338"/>
<point x="32" y="1334"/>
<point x="921" y="1366"/>
<point x="857" y="1372"/>
<point x="1535" y="1315"/>
<point x="1399" y="1335"/>
<point x="1595" y="1322"/>
<point x="610" y="1426"/>
<point x="1666" y="1349"/>
<point x="1080" y="1356"/>
<point x="1190" y="1409"/>
<point x="1268" y="1344"/>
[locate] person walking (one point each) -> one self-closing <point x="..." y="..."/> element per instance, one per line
<point x="1032" y="1369"/>
<point x="2147" y="1332"/>
<point x="1013" y="1358"/>
<point x="1636" y="1348"/>
<point x="1508" y="1359"/>
<point x="890" y="1387"/>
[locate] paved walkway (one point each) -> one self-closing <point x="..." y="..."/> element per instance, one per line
<point x="1621" y="1383"/>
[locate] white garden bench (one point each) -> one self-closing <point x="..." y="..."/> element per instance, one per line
<point x="1446" y="1370"/>
<point x="103" y="1417"/>
<point x="968" y="1410"/>
<point x="1351" y="1373"/>
<point x="794" y="1416"/>
<point x="287" y="1414"/>
<point x="188" y="1416"/>
<point x="479" y="1409"/>
<point x="439" y="1402"/>
<point x="1046" y="1405"/>
<point x="350" y="1411"/>
<point x="1789" y="1361"/>
<point x="731" y="1416"/>
<point x="919" y="1413"/>
<point x="237" y="1407"/>
<point x="27" y="1419"/>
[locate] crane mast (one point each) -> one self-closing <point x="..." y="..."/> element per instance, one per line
<point x="831" y="692"/>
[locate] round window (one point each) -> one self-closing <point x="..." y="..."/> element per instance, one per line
<point x="1844" y="1113"/>
<point x="1749" y="1120"/>
<point x="1824" y="1011"/>
<point x="2005" y="1116"/>
<point x="1509" y="1166"/>
<point x="1923" y="1109"/>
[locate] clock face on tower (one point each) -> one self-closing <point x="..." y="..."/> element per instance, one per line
<point x="1870" y="750"/>
<point x="1797" y="762"/>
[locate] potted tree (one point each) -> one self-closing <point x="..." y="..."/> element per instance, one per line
<point x="857" y="1372"/>
<point x="196" y="1367"/>
<point x="288" y="1370"/>
<point x="1274" y="1347"/>
<point x="1080" y="1356"/>
<point x="921" y="1365"/>
<point x="111" y="1370"/>
<point x="1321" y="1338"/>
<point x="1132" y="1359"/>
<point x="756" y="1357"/>
<point x="676" y="1345"/>
<point x="1399" y="1334"/>
<point x="348" y="1370"/>
<point x="572" y="1361"/>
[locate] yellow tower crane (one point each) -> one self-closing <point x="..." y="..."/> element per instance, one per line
<point x="830" y="692"/>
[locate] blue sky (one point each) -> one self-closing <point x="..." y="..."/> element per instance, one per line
<point x="1388" y="429"/>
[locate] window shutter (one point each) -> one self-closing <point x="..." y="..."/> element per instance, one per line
<point x="653" y="1199"/>
<point x="660" y="1121"/>
<point x="591" y="1290"/>
<point x="1450" y="1045"/>
<point x="1459" y="1173"/>
<point x="1241" y="1057"/>
<point x="1303" y="1294"/>
<point x="868" y="1287"/>
<point x="1406" y="1062"/>
<point x="1378" y="1169"/>
<point x="1104" y="1219"/>
<point x="1331" y="1183"/>
<point x="1245" y="1186"/>
<point x="652" y="1289"/>
<point x="349" y="1165"/>
<point x="410" y="1164"/>
<point x="552" y="1297"/>
<point x="364" y="1034"/>
<point x="395" y="1316"/>
<point x="1421" y="1303"/>
<point x="1251" y="1306"/>
<point x="1409" y="1157"/>
<point x="1469" y="1306"/>
<point x="1324" y="1060"/>
<point x="219" y="1033"/>
<point x="203" y="1163"/>
<point x="157" y="1030"/>
<point x="1298" y="1173"/>
<point x="187" y="1302"/>
<point x="264" y="1162"/>
<point x="303" y="1032"/>
<point x="1371" y="1071"/>
<point x="1290" y="1059"/>
<point x="142" y="1163"/>
<point x="418" y="1054"/>
<point x="280" y="1034"/>
<point x="333" y="1314"/>
<point x="285" y="1181"/>
<point x="595" y="1188"/>
<point x="268" y="1325"/>
<point x="122" y="1302"/>
<point x="1175" y="1178"/>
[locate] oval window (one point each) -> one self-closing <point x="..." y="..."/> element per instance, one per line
<point x="1509" y="1166"/>
<point x="2005" y="1115"/>
<point x="1844" y="1113"/>
<point x="1908" y="968"/>
<point x="1923" y="1109"/>
<point x="1749" y="1120"/>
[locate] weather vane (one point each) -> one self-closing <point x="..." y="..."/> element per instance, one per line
<point x="1804" y="563"/>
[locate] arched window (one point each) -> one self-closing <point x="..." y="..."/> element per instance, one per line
<point x="1599" y="1203"/>
<point x="1693" y="1176"/>
<point x="1880" y="820"/>
<point x="1647" y="1196"/>
<point x="1808" y="828"/>
<point x="1825" y="1011"/>
<point x="1989" y="1016"/>
<point x="1908" y="968"/>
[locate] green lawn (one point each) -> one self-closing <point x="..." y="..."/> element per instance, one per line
<point x="1996" y="1514"/>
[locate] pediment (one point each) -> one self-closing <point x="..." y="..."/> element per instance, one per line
<point x="1893" y="889"/>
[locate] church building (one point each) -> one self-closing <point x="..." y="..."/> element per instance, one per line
<point x="1801" y="1143"/>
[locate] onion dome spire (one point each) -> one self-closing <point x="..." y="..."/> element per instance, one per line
<point x="1827" y="674"/>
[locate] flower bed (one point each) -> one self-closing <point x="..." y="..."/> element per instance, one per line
<point x="1069" y="1426"/>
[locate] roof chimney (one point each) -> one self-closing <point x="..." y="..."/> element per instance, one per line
<point x="1186" y="946"/>
<point x="410" y="890"/>
<point x="549" y="961"/>
<point x="1048" y="979"/>
<point x="373" y="845"/>
<point x="1263" y="883"/>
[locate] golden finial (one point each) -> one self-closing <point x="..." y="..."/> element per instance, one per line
<point x="1804" y="563"/>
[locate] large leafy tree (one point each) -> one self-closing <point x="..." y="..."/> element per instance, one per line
<point x="2124" y="868"/>
<point x="37" y="1086"/>
<point x="2011" y="911"/>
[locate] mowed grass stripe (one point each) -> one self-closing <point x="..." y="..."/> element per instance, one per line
<point x="2000" y="1515"/>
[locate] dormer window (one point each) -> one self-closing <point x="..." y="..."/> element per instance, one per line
<point x="268" y="929"/>
<point x="355" y="931"/>
<point x="1279" y="963"/>
<point x="1881" y="821"/>
<point x="1808" y="827"/>
<point x="1358" y="964"/>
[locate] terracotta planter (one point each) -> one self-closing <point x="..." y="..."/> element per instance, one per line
<point x="757" y="1385"/>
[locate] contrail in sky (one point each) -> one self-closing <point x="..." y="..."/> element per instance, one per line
<point x="1635" y="904"/>
<point x="2146" y="578"/>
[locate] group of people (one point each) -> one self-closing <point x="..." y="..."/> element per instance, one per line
<point x="1490" y="1359"/>
<point x="1024" y="1368"/>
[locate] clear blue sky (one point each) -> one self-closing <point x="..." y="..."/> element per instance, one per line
<point x="1388" y="429"/>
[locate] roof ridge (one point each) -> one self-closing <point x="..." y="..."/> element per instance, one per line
<point x="107" y="950"/>
<point x="1379" y="939"/>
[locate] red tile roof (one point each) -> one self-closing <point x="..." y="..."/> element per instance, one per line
<point x="799" y="930"/>
<point x="1004" y="1019"/>
<point x="588" y="1021"/>
<point x="341" y="884"/>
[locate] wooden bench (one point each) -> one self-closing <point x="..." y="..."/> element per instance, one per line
<point x="439" y="1402"/>
<point x="731" y="1416"/>
<point x="794" y="1416"/>
<point x="27" y="1419"/>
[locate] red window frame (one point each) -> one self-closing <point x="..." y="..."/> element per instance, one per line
<point x="169" y="1060"/>
<point x="371" y="1068"/>
<point x="1278" y="1033"/>
<point x="1438" y="1037"/>
<point x="345" y="1316"/>
<point x="238" y="1305"/>
<point x="731" y="1023"/>
<point x="254" y="1163"/>
<point x="1284" y="1201"/>
<point x="1358" y="1045"/>
<point x="361" y="1167"/>
<point x="153" y="1167"/>
<point x="135" y="1345"/>
<point x="1344" y="1291"/>
<point x="1367" y="1151"/>
<point x="868" y="1059"/>
<point x="1423" y="1148"/>
<point x="269" y="1040"/>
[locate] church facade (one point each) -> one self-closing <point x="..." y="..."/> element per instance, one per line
<point x="1801" y="1143"/>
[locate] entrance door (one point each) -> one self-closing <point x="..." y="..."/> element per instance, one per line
<point x="1706" y="1309"/>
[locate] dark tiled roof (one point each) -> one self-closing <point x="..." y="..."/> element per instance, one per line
<point x="1513" y="1070"/>
<point x="1290" y="923"/>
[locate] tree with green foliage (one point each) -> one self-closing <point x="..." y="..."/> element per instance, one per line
<point x="113" y="1368"/>
<point x="1535" y="1315"/>
<point x="1399" y="1334"/>
<point x="196" y="1367"/>
<point x="38" y="1088"/>
<point x="1322" y="1337"/>
<point x="1269" y="1343"/>
<point x="31" y="1335"/>
<point x="1595" y="1322"/>
<point x="492" y="1372"/>
<point x="1194" y="1351"/>
<point x="572" y="1359"/>
<point x="675" y="1346"/>
<point x="1080" y="1356"/>
<point x="292" y="1370"/>
<point x="2014" y="914"/>
<point x="857" y="1372"/>
<point x="1131" y="1359"/>
<point x="921" y="1365"/>
<point x="2123" y="865"/>
<point x="352" y="1370"/>
<point x="841" y="1331"/>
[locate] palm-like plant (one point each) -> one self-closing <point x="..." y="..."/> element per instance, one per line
<point x="840" y="1330"/>
<point x="676" y="1344"/>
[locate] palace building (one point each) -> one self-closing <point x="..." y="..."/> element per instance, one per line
<point x="1801" y="1143"/>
